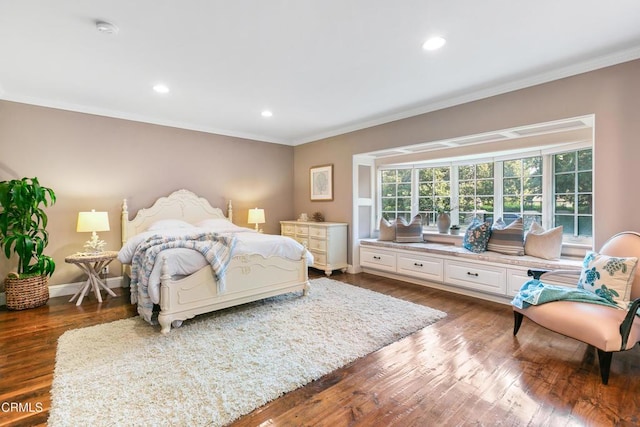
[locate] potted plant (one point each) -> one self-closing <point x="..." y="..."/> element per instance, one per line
<point x="23" y="233"/>
<point x="454" y="230"/>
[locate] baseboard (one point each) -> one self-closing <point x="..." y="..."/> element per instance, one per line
<point x="69" y="288"/>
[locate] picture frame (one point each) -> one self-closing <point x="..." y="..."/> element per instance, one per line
<point x="321" y="183"/>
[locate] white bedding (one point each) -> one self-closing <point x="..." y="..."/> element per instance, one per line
<point x="183" y="261"/>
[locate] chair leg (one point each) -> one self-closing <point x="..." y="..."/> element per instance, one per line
<point x="517" y="321"/>
<point x="604" y="359"/>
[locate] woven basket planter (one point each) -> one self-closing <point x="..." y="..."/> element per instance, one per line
<point x="26" y="293"/>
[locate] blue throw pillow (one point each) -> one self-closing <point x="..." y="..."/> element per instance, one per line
<point x="477" y="236"/>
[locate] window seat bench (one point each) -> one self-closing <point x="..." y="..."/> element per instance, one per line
<point x="488" y="275"/>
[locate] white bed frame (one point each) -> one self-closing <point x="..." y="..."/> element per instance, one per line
<point x="248" y="278"/>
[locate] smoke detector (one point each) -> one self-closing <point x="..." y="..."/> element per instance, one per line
<point x="107" y="27"/>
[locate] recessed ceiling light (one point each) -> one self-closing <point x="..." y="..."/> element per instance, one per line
<point x="267" y="113"/>
<point x="161" y="88"/>
<point x="434" y="43"/>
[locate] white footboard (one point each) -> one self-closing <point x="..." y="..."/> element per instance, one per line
<point x="249" y="278"/>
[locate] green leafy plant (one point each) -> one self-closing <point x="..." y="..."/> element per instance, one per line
<point x="23" y="225"/>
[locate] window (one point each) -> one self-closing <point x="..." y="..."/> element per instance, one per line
<point x="522" y="190"/>
<point x="475" y="191"/>
<point x="573" y="193"/>
<point x="396" y="193"/>
<point x="507" y="188"/>
<point x="434" y="192"/>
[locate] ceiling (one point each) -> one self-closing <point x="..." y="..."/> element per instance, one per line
<point x="323" y="67"/>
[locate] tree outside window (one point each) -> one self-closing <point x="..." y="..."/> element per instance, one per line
<point x="476" y="192"/>
<point x="473" y="190"/>
<point x="434" y="192"/>
<point x="396" y="194"/>
<point x="522" y="190"/>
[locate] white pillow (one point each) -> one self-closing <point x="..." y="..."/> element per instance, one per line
<point x="165" y="224"/>
<point x="387" y="230"/>
<point x="541" y="243"/>
<point x="219" y="225"/>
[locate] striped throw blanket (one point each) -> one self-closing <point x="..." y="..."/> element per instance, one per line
<point x="216" y="249"/>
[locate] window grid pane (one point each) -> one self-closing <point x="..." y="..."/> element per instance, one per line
<point x="522" y="189"/>
<point x="476" y="184"/>
<point x="573" y="192"/>
<point x="396" y="193"/>
<point x="434" y="186"/>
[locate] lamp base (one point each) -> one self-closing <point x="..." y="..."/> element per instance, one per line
<point x="95" y="245"/>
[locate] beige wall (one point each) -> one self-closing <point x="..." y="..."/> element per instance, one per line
<point x="612" y="94"/>
<point x="94" y="162"/>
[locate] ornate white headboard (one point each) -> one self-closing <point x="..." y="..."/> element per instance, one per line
<point x="181" y="204"/>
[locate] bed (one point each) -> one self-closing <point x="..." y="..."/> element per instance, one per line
<point x="181" y="279"/>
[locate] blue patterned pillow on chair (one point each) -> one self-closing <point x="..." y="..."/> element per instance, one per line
<point x="608" y="277"/>
<point x="477" y="236"/>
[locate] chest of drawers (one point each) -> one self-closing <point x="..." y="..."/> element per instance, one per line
<point x="327" y="242"/>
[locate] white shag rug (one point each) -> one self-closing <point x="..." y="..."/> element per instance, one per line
<point x="220" y="366"/>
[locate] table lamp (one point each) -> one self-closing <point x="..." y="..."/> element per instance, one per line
<point x="93" y="221"/>
<point x="256" y="216"/>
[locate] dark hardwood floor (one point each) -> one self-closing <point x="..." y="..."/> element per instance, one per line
<point x="466" y="369"/>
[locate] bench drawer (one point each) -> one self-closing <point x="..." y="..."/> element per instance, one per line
<point x="478" y="277"/>
<point x="515" y="280"/>
<point x="422" y="267"/>
<point x="380" y="260"/>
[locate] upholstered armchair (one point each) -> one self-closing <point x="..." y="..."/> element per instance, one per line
<point x="607" y="328"/>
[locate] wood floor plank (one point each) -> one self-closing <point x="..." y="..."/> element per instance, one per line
<point x="466" y="369"/>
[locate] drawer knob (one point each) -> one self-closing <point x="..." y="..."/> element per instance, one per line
<point x="472" y="274"/>
<point x="417" y="264"/>
<point x="376" y="257"/>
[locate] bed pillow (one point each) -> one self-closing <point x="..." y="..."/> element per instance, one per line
<point x="507" y="240"/>
<point x="411" y="232"/>
<point x="477" y="236"/>
<point x="608" y="277"/>
<point x="387" y="230"/>
<point x="219" y="224"/>
<point x="165" y="224"/>
<point x="543" y="244"/>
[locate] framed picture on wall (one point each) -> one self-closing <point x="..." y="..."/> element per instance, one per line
<point x="321" y="182"/>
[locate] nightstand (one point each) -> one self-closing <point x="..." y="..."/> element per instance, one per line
<point x="92" y="265"/>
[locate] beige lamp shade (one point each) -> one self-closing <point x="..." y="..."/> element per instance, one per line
<point x="92" y="221"/>
<point x="256" y="216"/>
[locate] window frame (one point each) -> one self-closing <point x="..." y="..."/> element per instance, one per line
<point x="548" y="185"/>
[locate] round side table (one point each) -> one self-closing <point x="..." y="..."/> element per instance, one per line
<point x="92" y="264"/>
